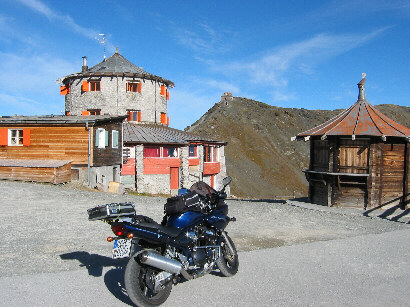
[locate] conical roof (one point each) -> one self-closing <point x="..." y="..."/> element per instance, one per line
<point x="117" y="63"/>
<point x="361" y="119"/>
<point x="117" y="66"/>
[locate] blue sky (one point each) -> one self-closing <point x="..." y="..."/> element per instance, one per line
<point x="299" y="54"/>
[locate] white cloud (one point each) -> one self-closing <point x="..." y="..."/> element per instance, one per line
<point x="272" y="69"/>
<point x="32" y="73"/>
<point x="205" y="40"/>
<point x="70" y="23"/>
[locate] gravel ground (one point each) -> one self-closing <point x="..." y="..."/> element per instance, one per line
<point x="46" y="229"/>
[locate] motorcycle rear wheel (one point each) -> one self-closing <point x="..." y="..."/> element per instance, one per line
<point x="139" y="286"/>
<point x="228" y="263"/>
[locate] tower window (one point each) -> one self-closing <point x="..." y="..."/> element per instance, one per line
<point x="95" y="86"/>
<point x="134" y="87"/>
<point x="134" y="115"/>
<point x="94" y="111"/>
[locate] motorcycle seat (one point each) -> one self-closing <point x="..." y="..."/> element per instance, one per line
<point x="169" y="231"/>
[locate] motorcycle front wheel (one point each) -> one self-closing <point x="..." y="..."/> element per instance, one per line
<point x="139" y="283"/>
<point x="228" y="262"/>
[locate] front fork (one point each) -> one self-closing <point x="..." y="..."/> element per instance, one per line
<point x="228" y="242"/>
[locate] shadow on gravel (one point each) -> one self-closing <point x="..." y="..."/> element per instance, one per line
<point x="394" y="213"/>
<point x="276" y="201"/>
<point x="94" y="263"/>
<point x="272" y="201"/>
<point x="113" y="279"/>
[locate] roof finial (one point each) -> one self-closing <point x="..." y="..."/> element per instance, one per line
<point x="362" y="94"/>
<point x="116" y="50"/>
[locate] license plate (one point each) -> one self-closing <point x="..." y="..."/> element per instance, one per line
<point x="121" y="249"/>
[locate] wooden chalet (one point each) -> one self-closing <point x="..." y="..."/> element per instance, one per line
<point x="61" y="148"/>
<point x="359" y="158"/>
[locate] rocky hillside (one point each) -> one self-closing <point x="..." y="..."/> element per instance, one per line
<point x="260" y="157"/>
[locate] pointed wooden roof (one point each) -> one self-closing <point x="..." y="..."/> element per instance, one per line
<point x="361" y="119"/>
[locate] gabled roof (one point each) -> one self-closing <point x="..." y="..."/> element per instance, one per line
<point x="157" y="134"/>
<point x="117" y="65"/>
<point x="361" y="119"/>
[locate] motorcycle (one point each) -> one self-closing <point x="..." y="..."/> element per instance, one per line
<point x="190" y="242"/>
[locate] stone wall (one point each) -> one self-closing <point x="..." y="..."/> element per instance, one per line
<point x="113" y="99"/>
<point x="188" y="175"/>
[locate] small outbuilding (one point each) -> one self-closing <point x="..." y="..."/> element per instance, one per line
<point x="360" y="158"/>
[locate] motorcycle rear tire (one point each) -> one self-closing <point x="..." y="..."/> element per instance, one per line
<point x="228" y="263"/>
<point x="137" y="288"/>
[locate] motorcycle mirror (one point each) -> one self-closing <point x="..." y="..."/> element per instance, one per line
<point x="227" y="180"/>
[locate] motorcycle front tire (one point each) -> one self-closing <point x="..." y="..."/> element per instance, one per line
<point x="136" y="280"/>
<point x="228" y="262"/>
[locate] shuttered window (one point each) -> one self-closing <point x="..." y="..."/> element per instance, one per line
<point x="163" y="90"/>
<point x="101" y="138"/>
<point x="115" y="139"/>
<point x="15" y="137"/>
<point x="134" y="87"/>
<point x="134" y="116"/>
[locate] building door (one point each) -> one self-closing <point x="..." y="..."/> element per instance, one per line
<point x="174" y="176"/>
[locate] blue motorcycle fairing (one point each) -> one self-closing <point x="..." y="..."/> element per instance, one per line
<point x="218" y="218"/>
<point x="185" y="219"/>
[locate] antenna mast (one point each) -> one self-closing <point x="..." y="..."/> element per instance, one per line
<point x="102" y="41"/>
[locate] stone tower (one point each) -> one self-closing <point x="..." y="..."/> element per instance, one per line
<point x="117" y="87"/>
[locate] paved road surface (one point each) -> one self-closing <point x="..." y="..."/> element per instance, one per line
<point x="367" y="270"/>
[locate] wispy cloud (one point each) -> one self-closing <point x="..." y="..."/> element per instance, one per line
<point x="53" y="15"/>
<point x="274" y="67"/>
<point x="203" y="40"/>
<point x="27" y="83"/>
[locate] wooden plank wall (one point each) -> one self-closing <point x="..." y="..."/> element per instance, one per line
<point x="319" y="193"/>
<point x="375" y="171"/>
<point x="63" y="174"/>
<point x="320" y="155"/>
<point x="56" y="143"/>
<point x="37" y="174"/>
<point x="392" y="180"/>
<point x="350" y="195"/>
<point x="107" y="155"/>
<point x="354" y="156"/>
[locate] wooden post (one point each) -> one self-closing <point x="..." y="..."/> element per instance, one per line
<point x="406" y="183"/>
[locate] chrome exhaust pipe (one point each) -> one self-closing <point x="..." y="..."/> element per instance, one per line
<point x="160" y="262"/>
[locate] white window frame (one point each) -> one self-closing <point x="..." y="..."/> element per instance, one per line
<point x="18" y="137"/>
<point x="195" y="152"/>
<point x="212" y="149"/>
<point x="101" y="134"/>
<point x="162" y="151"/>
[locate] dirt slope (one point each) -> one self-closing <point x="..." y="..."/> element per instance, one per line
<point x="260" y="156"/>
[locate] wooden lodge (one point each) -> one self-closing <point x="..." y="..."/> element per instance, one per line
<point x="59" y="149"/>
<point x="359" y="158"/>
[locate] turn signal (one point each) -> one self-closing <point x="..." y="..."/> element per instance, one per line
<point x="130" y="235"/>
<point x="110" y="239"/>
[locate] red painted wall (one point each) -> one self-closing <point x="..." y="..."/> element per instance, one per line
<point x="160" y="165"/>
<point x="211" y="168"/>
<point x="193" y="162"/>
<point x="128" y="168"/>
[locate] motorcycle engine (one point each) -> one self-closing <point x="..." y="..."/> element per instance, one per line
<point x="203" y="237"/>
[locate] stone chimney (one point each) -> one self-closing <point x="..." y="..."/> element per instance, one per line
<point x="362" y="94"/>
<point x="85" y="67"/>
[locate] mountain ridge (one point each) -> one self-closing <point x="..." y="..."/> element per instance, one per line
<point x="260" y="156"/>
